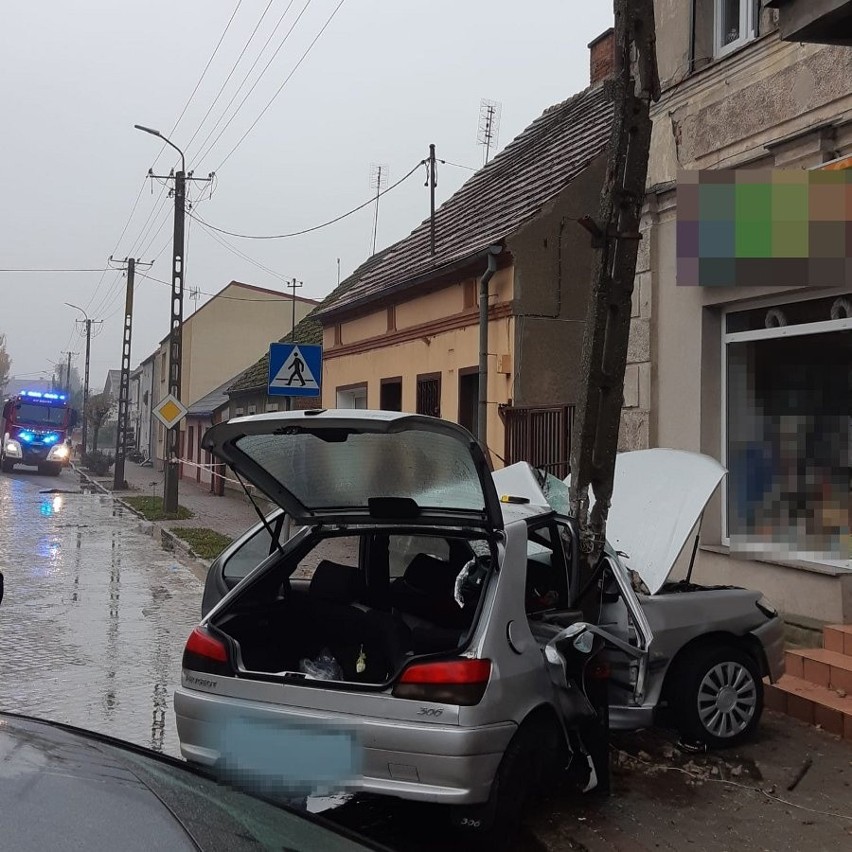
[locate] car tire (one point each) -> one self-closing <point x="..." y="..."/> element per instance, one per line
<point x="50" y="469"/>
<point x="493" y="824"/>
<point x="718" y="695"/>
<point x="8" y="466"/>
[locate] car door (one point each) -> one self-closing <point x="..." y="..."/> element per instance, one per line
<point x="241" y="557"/>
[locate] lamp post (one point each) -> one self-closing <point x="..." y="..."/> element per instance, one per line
<point x="86" y="376"/>
<point x="170" y="488"/>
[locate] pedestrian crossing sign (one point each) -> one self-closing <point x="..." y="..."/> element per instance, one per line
<point x="295" y="369"/>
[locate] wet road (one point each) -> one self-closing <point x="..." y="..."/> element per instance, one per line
<point x="92" y="627"/>
<point x="94" y="615"/>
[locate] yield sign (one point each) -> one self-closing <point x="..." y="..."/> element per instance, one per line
<point x="169" y="411"/>
<point x="294" y="369"/>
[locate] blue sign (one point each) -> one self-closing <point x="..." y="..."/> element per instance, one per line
<point x="295" y="369"/>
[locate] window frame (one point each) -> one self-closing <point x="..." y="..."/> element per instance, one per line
<point x="749" y="20"/>
<point x="354" y="390"/>
<point x="800" y="330"/>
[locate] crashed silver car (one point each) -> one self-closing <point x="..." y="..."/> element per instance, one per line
<point x="423" y="633"/>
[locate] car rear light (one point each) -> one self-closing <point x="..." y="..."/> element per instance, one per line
<point x="459" y="681"/>
<point x="205" y="652"/>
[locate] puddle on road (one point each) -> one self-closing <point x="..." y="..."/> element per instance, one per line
<point x="97" y="614"/>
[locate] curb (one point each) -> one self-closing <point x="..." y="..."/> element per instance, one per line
<point x="146" y="526"/>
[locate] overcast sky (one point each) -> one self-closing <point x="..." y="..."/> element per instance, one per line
<point x="386" y="78"/>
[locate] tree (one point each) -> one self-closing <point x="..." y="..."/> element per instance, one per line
<point x="59" y="382"/>
<point x="5" y="364"/>
<point x="97" y="411"/>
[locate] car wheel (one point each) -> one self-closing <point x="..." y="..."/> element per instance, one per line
<point x="518" y="776"/>
<point x="719" y="695"/>
<point x="8" y="466"/>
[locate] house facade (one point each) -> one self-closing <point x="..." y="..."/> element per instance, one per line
<point x="224" y="336"/>
<point x="403" y="331"/>
<point x="757" y="377"/>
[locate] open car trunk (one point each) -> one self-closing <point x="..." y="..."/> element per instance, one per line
<point x="343" y="623"/>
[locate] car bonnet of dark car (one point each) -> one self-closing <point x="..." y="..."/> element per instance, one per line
<point x="61" y="788"/>
<point x="56" y="791"/>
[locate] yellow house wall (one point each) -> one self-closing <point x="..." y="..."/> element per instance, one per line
<point x="445" y="352"/>
<point x="225" y="336"/>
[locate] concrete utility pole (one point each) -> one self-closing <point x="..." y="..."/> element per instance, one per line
<point x="170" y="472"/>
<point x="124" y="383"/>
<point x="433" y="183"/>
<point x="482" y="411"/>
<point x="68" y="372"/>
<point x="88" y="325"/>
<point x="616" y="237"/>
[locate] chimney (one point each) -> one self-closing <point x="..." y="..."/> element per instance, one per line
<point x="602" y="56"/>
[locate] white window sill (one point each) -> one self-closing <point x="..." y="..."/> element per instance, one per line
<point x="830" y="569"/>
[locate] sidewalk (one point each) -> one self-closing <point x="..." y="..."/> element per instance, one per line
<point x="232" y="514"/>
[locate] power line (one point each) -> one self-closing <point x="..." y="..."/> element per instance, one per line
<point x="273" y="296"/>
<point x="254" y="85"/>
<point x="230" y="74"/>
<point x="41" y="269"/>
<point x="371" y="200"/>
<point x="235" y="251"/>
<point x="286" y="80"/>
<point x="248" y="73"/>
<point x="203" y="73"/>
<point x="458" y="165"/>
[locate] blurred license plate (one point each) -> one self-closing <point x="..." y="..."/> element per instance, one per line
<point x="287" y="757"/>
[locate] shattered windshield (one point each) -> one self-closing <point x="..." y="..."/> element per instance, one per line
<point x="338" y="471"/>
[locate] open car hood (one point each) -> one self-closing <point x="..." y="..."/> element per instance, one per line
<point x="658" y="497"/>
<point x="354" y="466"/>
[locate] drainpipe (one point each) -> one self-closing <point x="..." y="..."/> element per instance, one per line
<point x="692" y="17"/>
<point x="482" y="418"/>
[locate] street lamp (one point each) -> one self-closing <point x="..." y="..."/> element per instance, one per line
<point x="86" y="378"/>
<point x="167" y="141"/>
<point x="170" y="471"/>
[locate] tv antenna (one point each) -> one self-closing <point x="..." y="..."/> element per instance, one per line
<point x="489" y="125"/>
<point x="378" y="181"/>
<point x="195" y="295"/>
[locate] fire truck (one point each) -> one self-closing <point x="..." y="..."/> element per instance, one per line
<point x="36" y="427"/>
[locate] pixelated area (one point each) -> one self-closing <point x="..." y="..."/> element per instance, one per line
<point x="285" y="760"/>
<point x="788" y="442"/>
<point x="764" y="227"/>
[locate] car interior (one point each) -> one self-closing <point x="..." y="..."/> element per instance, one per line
<point x="347" y="618"/>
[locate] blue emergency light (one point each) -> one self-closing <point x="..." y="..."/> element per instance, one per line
<point x="61" y="397"/>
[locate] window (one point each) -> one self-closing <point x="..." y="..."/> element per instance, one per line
<point x="251" y="553"/>
<point x="403" y="548"/>
<point x="391" y="395"/>
<point x="352" y="397"/>
<point x="547" y="574"/>
<point x="787" y="386"/>
<point x="252" y="409"/>
<point x="735" y="23"/>
<point x="429" y="395"/>
<point x="238" y="412"/>
<point x="272" y="406"/>
<point x="163" y="360"/>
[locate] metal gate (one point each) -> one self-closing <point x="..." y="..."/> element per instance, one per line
<point x="540" y="436"/>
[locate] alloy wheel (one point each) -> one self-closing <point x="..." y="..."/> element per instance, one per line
<point x="727" y="698"/>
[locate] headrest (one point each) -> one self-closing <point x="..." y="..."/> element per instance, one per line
<point x="430" y="575"/>
<point x="335" y="583"/>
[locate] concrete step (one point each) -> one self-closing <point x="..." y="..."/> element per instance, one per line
<point x="816" y="705"/>
<point x="838" y="637"/>
<point x="829" y="669"/>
